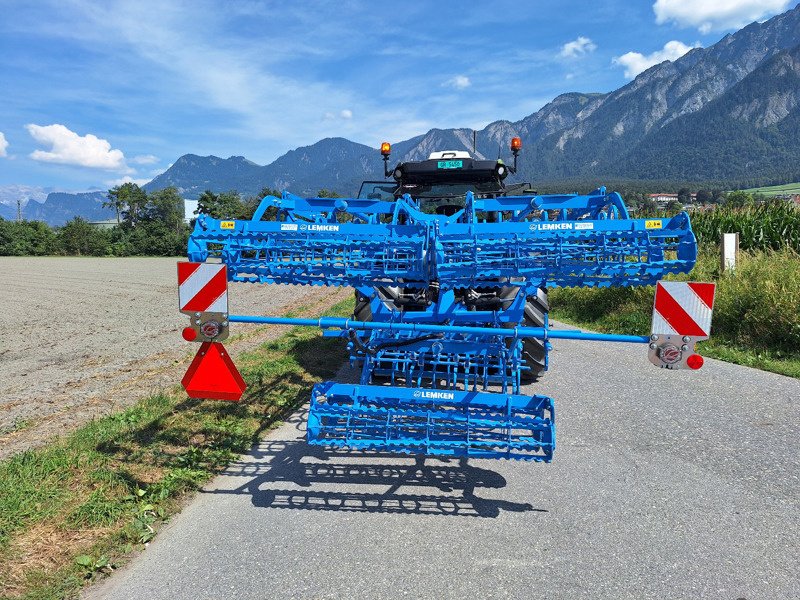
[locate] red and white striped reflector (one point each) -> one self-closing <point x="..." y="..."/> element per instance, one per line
<point x="202" y="287"/>
<point x="683" y="308"/>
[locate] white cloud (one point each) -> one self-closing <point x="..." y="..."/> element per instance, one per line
<point x="3" y="145"/>
<point x="69" y="148"/>
<point x="345" y="114"/>
<point x="577" y="48"/>
<point x="268" y="105"/>
<point x="144" y="159"/>
<point x="715" y="15"/>
<point x="459" y="82"/>
<point x="126" y="179"/>
<point x="635" y="62"/>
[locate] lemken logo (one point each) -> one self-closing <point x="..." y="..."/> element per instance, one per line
<point x="434" y="395"/>
<point x="323" y="228"/>
<point x="550" y="226"/>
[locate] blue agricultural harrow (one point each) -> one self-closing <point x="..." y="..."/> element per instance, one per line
<point x="450" y="269"/>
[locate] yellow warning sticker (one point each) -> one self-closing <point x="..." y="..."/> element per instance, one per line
<point x="652" y="224"/>
<point x="232" y="224"/>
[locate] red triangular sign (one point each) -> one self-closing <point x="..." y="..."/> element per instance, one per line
<point x="213" y="375"/>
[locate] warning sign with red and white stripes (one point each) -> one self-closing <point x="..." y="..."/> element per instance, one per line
<point x="683" y="308"/>
<point x="202" y="287"/>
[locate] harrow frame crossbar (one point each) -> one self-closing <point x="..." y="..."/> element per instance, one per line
<point x="345" y="324"/>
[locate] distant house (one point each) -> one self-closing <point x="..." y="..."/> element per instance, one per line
<point x="663" y="199"/>
<point x="107" y="224"/>
<point x="189" y="209"/>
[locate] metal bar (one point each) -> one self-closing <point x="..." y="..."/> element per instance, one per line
<point x="522" y="332"/>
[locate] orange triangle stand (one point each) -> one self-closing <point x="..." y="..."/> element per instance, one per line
<point x="213" y="375"/>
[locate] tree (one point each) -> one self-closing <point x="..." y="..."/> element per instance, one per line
<point x="268" y="191"/>
<point x="129" y="200"/>
<point x="704" y="197"/>
<point x="167" y="207"/>
<point x="227" y="205"/>
<point x="674" y="207"/>
<point x="250" y="204"/>
<point x="738" y="199"/>
<point x="26" y="238"/>
<point x="684" y="196"/>
<point x="79" y="238"/>
<point x="323" y="193"/>
<point x="161" y="230"/>
<point x="649" y="206"/>
<point x="114" y="201"/>
<point x="207" y="203"/>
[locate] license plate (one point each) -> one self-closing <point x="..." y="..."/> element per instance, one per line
<point x="451" y="164"/>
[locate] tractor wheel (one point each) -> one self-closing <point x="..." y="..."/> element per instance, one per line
<point x="533" y="349"/>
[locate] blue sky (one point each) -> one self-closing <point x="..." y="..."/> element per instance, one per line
<point x="92" y="93"/>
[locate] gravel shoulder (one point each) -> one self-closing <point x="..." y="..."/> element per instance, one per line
<point x="87" y="336"/>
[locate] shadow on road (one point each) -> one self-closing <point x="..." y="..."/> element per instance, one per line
<point x="292" y="474"/>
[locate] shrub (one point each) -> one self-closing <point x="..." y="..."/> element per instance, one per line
<point x="757" y="305"/>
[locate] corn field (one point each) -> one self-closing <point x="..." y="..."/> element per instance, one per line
<point x="768" y="226"/>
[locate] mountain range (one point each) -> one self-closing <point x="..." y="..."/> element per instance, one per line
<point x="60" y="207"/>
<point x="727" y="115"/>
<point x="56" y="208"/>
<point x="52" y="206"/>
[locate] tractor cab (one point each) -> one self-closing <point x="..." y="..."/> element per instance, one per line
<point x="441" y="182"/>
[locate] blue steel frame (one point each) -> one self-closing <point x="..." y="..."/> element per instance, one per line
<point x="548" y="240"/>
<point x="453" y="369"/>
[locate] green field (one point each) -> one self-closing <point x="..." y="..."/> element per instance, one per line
<point x="775" y="190"/>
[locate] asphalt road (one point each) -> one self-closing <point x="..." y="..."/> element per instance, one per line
<point x="664" y="485"/>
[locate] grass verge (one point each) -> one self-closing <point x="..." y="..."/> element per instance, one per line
<point x="79" y="507"/>
<point x="756" y="312"/>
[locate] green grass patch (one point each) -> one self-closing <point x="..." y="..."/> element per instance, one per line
<point x="76" y="508"/>
<point x="17" y="425"/>
<point x="756" y="312"/>
<point x="776" y="190"/>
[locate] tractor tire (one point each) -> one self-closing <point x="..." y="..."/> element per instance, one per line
<point x="533" y="349"/>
